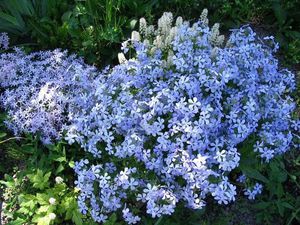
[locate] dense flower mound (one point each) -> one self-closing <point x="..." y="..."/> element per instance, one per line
<point x="161" y="128"/>
<point x="165" y="126"/>
<point x="39" y="88"/>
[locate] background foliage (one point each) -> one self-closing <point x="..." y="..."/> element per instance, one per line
<point x="94" y="29"/>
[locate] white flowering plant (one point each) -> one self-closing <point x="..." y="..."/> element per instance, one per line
<point x="170" y="126"/>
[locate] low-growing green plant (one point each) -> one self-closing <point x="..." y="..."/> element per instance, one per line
<point x="41" y="188"/>
<point x="282" y="191"/>
<point x="9" y="148"/>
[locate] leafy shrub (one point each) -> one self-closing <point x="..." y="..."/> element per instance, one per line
<point x="42" y="191"/>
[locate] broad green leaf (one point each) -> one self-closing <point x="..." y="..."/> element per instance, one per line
<point x="39" y="180"/>
<point x="111" y="220"/>
<point x="279" y="12"/>
<point x="255" y="174"/>
<point x="2" y="135"/>
<point x="17" y="221"/>
<point x="262" y="205"/>
<point x="44" y="220"/>
<point x="76" y="218"/>
<point x="42" y="198"/>
<point x="43" y="209"/>
<point x="9" y="19"/>
<point x="287" y="205"/>
<point x="59" y="169"/>
<point x="280" y="208"/>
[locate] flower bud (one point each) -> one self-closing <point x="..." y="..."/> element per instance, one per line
<point x="135" y="36"/>
<point x="143" y="25"/>
<point x="59" y="180"/>
<point x="121" y="58"/>
<point x="52" y="201"/>
<point x="52" y="216"/>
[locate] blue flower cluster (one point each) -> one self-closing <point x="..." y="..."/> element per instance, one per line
<point x="163" y="127"/>
<point x="176" y="124"/>
<point x="4" y="41"/>
<point x="252" y="192"/>
<point x="39" y="88"/>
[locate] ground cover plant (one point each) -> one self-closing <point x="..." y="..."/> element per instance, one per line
<point x="187" y="120"/>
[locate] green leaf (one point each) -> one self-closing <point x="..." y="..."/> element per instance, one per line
<point x="60" y="159"/>
<point x="159" y="221"/>
<point x="17" y="221"/>
<point x="2" y="134"/>
<point x="28" y="204"/>
<point x="9" y="19"/>
<point x="66" y="16"/>
<point x="43" y="209"/>
<point x="277" y="173"/>
<point x="112" y="220"/>
<point x="42" y="198"/>
<point x="255" y="174"/>
<point x="287" y="205"/>
<point x="76" y="218"/>
<point x="39" y="180"/>
<point x="279" y="12"/>
<point x="262" y="205"/>
<point x="36" y="26"/>
<point x="59" y="169"/>
<point x="43" y="220"/>
<point x="7" y="183"/>
<point x="23" y="7"/>
<point x="280" y="208"/>
<point x="293" y="34"/>
<point x="28" y="149"/>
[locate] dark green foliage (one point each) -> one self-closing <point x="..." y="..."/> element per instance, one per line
<point x="281" y="199"/>
<point x="33" y="21"/>
<point x="287" y="25"/>
<point x="91" y="28"/>
<point x="9" y="149"/>
<point x="95" y="28"/>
